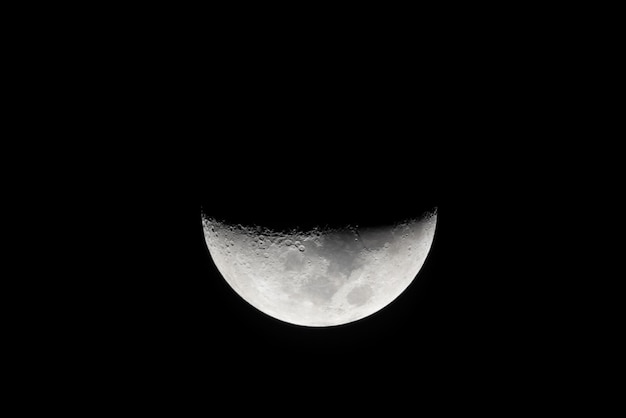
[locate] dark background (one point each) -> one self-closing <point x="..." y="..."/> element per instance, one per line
<point x="282" y="133"/>
<point x="321" y="160"/>
<point x="302" y="148"/>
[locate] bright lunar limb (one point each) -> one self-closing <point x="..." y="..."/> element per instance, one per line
<point x="320" y="277"/>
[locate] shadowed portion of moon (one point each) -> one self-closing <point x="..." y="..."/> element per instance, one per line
<point x="320" y="277"/>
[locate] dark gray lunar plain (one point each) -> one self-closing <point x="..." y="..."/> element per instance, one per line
<point x="320" y="277"/>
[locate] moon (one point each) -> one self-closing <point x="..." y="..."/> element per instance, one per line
<point x="320" y="277"/>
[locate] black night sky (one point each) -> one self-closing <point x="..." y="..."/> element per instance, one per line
<point x="331" y="160"/>
<point x="297" y="138"/>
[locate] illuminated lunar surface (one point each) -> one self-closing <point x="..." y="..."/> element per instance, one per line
<point x="320" y="277"/>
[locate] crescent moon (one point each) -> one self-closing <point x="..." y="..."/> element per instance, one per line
<point x="320" y="277"/>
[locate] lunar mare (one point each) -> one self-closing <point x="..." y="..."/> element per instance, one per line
<point x="320" y="277"/>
